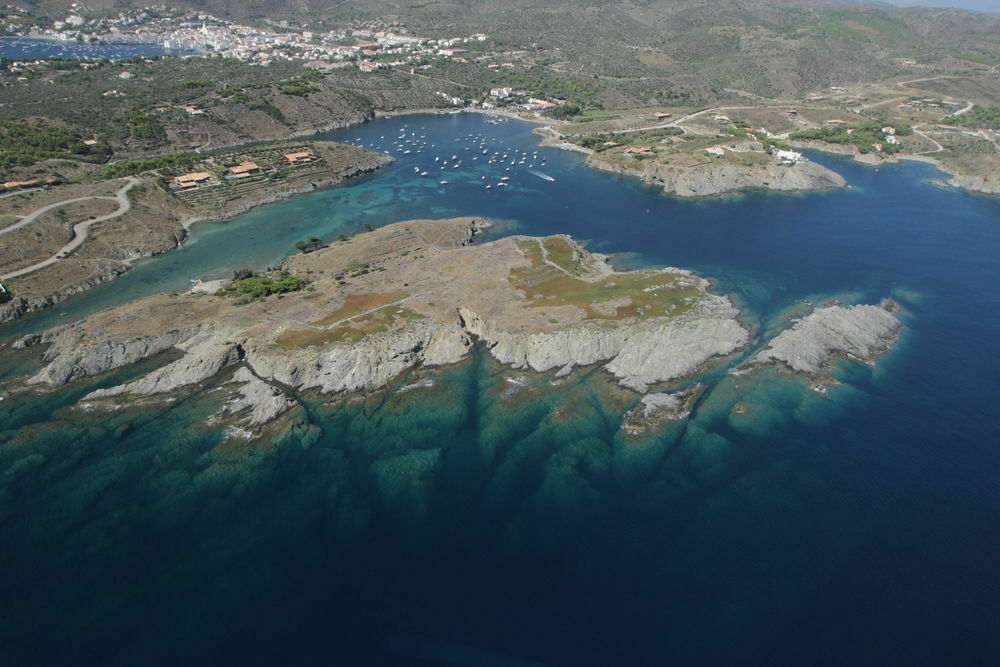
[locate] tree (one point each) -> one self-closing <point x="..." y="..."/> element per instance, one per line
<point x="309" y="244"/>
<point x="564" y="111"/>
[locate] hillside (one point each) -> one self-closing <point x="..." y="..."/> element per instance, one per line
<point x="655" y="50"/>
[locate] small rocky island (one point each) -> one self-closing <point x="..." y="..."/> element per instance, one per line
<point x="352" y="316"/>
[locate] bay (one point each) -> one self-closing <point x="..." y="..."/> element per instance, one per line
<point x="472" y="523"/>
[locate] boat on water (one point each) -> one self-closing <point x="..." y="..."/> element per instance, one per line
<point x="423" y="173"/>
<point x="541" y="175"/>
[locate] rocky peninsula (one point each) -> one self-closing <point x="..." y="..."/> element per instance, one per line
<point x="694" y="177"/>
<point x="412" y="293"/>
<point x="420" y="293"/>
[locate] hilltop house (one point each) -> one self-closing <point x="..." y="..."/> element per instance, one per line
<point x="715" y="151"/>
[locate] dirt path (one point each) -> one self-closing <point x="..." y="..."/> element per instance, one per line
<point x="79" y="229"/>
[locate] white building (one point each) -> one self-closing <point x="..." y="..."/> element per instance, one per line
<point x="788" y="157"/>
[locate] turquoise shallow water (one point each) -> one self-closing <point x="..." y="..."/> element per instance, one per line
<point x="491" y="521"/>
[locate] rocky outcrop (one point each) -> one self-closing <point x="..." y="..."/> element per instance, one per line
<point x="858" y="332"/>
<point x="637" y="355"/>
<point x="361" y="366"/>
<point x="72" y="356"/>
<point x="262" y="402"/>
<point x="719" y="177"/>
<point x="202" y="360"/>
<point x="419" y="295"/>
<point x="986" y="184"/>
<point x="656" y="409"/>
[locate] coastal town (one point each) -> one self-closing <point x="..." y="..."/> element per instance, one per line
<point x="369" y="45"/>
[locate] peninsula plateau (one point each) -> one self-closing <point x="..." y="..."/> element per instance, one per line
<point x="355" y="315"/>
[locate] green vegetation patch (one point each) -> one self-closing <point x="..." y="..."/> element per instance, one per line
<point x="258" y="286"/>
<point x="375" y="322"/>
<point x="863" y="136"/>
<point x="562" y="253"/>
<point x="980" y="117"/>
<point x="23" y="145"/>
<point x="137" y="166"/>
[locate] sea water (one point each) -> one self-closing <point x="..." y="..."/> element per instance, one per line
<point x="478" y="515"/>
<point x="26" y="48"/>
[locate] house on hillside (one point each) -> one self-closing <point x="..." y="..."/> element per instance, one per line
<point x="190" y="181"/>
<point x="302" y="157"/>
<point x="245" y="169"/>
<point x="788" y="158"/>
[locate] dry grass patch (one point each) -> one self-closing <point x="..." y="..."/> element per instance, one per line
<point x="640" y="294"/>
<point x="354" y="330"/>
<point x="355" y="304"/>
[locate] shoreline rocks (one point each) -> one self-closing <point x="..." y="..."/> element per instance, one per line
<point x="858" y="332"/>
<point x="716" y="178"/>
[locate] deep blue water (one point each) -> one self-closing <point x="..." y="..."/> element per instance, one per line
<point x="21" y="48"/>
<point x="472" y="524"/>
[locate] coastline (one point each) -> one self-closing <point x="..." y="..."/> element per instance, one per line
<point x="20" y="306"/>
<point x="954" y="178"/>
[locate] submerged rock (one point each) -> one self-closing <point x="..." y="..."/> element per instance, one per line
<point x="656" y="409"/>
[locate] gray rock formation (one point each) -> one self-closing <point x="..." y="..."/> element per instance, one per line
<point x="716" y="178"/>
<point x="264" y="402"/>
<point x="656" y="409"/>
<point x="859" y="332"/>
<point x="70" y="358"/>
<point x="638" y="355"/>
<point x="203" y="359"/>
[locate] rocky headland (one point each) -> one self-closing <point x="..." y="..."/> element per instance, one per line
<point x="421" y="294"/>
<point x="857" y="332"/>
<point x="712" y="177"/>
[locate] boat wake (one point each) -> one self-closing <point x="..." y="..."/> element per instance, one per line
<point x="539" y="174"/>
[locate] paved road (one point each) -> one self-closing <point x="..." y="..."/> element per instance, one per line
<point x="79" y="229"/>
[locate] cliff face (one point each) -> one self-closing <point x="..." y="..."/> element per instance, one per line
<point x="720" y="177"/>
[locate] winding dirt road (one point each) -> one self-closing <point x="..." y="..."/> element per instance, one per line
<point x="79" y="229"/>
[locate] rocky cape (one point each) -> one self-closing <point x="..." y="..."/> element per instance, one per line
<point x="421" y="294"/>
<point x="715" y="177"/>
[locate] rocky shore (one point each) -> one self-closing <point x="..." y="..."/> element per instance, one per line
<point x="421" y="294"/>
<point x="857" y="332"/>
<point x="412" y="294"/>
<point x="712" y="178"/>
